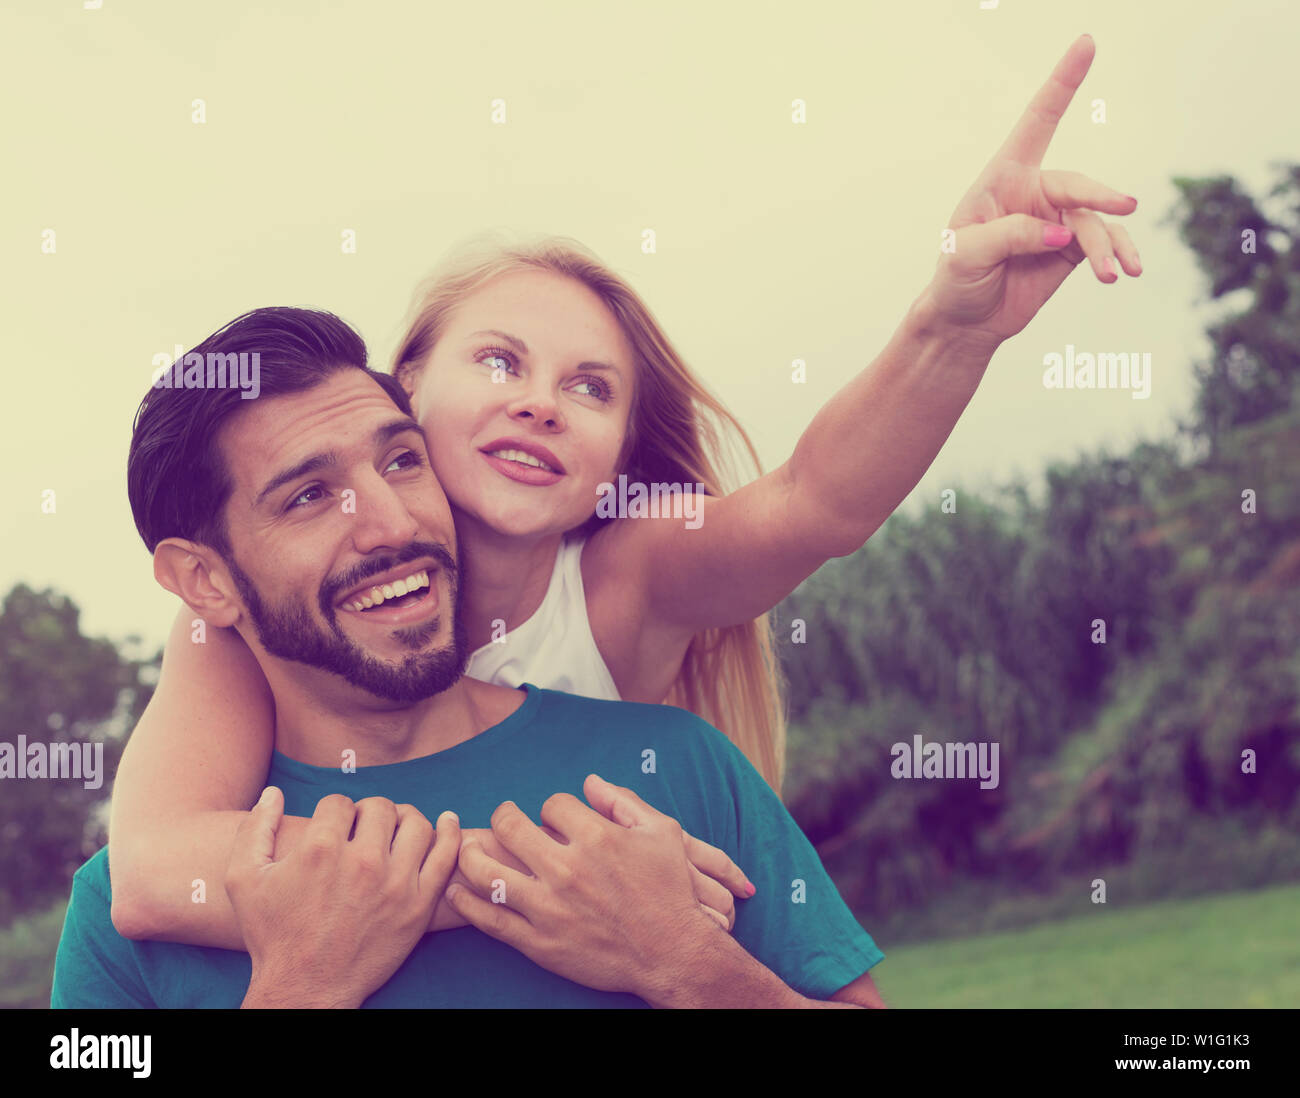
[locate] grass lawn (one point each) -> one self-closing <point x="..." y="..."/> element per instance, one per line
<point x="1240" y="949"/>
<point x="27" y="951"/>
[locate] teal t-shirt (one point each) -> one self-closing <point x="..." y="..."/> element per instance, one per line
<point x="675" y="761"/>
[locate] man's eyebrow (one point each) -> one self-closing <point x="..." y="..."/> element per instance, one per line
<point x="394" y="427"/>
<point x="522" y="347"/>
<point x="320" y="461"/>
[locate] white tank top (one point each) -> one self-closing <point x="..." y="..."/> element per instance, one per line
<point x="554" y="649"/>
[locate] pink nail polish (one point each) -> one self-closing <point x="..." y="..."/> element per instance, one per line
<point x="752" y="889"/>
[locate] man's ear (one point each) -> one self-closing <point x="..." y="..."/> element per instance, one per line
<point x="197" y="575"/>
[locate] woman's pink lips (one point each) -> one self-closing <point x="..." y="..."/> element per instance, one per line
<point x="525" y="474"/>
<point x="529" y="446"/>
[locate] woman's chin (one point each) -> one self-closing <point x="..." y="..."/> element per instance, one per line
<point x="525" y="524"/>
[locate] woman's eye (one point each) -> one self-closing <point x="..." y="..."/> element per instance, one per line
<point x="498" y="360"/>
<point x="594" y="388"/>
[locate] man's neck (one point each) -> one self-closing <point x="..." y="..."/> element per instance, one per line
<point x="333" y="726"/>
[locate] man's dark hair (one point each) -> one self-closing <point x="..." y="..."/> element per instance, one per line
<point x="175" y="476"/>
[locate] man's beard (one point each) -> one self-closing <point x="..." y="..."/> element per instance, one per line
<point x="288" y="630"/>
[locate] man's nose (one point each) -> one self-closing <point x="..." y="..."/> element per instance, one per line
<point x="382" y="520"/>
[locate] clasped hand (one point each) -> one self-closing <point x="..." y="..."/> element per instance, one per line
<point x="607" y="899"/>
<point x="607" y="896"/>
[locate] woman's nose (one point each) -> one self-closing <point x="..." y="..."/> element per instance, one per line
<point x="538" y="407"/>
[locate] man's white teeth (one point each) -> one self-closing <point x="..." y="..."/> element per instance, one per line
<point x="396" y="590"/>
<point x="520" y="456"/>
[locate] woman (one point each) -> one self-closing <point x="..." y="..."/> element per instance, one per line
<point x="539" y="376"/>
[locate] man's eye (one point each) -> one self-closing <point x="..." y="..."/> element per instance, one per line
<point x="407" y="459"/>
<point x="297" y="500"/>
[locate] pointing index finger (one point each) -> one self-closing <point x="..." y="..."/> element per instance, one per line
<point x="1028" y="141"/>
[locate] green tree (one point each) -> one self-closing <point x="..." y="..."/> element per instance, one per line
<point x="57" y="686"/>
<point x="1256" y="346"/>
<point x="978" y="626"/>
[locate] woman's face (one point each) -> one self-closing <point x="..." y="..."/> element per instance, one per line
<point x="525" y="402"/>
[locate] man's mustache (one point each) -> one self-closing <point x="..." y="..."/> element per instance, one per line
<point x="416" y="550"/>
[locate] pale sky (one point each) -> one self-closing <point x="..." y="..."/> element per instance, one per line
<point x="775" y="241"/>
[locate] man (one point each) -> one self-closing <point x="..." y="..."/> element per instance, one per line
<point x="590" y="910"/>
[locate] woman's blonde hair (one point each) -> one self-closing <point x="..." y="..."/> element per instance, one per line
<point x="678" y="433"/>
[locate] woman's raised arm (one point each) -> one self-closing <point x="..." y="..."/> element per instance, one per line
<point x="1012" y="240"/>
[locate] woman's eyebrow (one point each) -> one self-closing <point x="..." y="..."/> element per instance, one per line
<point x="522" y="347"/>
<point x="514" y="341"/>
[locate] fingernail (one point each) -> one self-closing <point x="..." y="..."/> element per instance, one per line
<point x="1054" y="235"/>
<point x="752" y="889"/>
<point x="1131" y="198"/>
<point x="1108" y="265"/>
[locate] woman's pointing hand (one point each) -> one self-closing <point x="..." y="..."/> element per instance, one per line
<point x="1020" y="230"/>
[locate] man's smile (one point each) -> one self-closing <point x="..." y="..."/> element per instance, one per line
<point x="405" y="596"/>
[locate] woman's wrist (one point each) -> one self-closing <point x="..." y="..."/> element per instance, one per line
<point x="961" y="343"/>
